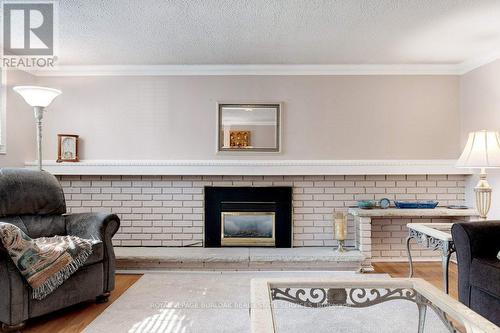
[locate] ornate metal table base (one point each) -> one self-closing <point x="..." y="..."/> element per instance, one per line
<point x="359" y="298"/>
<point x="446" y="247"/>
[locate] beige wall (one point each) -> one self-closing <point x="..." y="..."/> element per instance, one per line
<point x="480" y="99"/>
<point x="480" y="109"/>
<point x="21" y="137"/>
<point x="325" y="117"/>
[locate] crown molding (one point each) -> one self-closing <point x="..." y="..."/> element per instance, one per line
<point x="277" y="69"/>
<point x="252" y="167"/>
<point x="472" y="64"/>
<point x="229" y="70"/>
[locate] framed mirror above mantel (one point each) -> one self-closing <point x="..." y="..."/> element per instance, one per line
<point x="249" y="127"/>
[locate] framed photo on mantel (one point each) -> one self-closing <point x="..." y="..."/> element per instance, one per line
<point x="67" y="148"/>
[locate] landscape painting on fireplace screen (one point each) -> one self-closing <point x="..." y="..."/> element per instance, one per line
<point x="240" y="228"/>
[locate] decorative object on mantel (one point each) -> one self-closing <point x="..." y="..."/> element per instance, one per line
<point x="239" y="139"/>
<point x="340" y="229"/>
<point x="457" y="207"/>
<point x="39" y="98"/>
<point x="235" y="122"/>
<point x="383" y="203"/>
<point x="482" y="151"/>
<point x="367" y="204"/>
<point x="67" y="148"/>
<point x="416" y="204"/>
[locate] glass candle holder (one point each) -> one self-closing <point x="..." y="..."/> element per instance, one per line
<point x="340" y="230"/>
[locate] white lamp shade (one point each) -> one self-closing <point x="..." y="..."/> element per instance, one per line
<point x="37" y="96"/>
<point x="481" y="151"/>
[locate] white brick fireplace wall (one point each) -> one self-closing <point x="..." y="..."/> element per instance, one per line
<point x="168" y="210"/>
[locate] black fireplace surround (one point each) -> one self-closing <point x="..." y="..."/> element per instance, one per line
<point x="248" y="199"/>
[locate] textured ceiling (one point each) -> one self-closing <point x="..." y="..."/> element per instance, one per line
<point x="154" y="32"/>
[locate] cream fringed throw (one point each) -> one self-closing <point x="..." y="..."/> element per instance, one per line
<point x="44" y="262"/>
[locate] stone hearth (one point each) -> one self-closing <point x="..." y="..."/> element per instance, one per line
<point x="306" y="258"/>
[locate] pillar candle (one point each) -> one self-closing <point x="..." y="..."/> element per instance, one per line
<point x="340" y="226"/>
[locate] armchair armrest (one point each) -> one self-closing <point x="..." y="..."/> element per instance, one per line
<point x="99" y="226"/>
<point x="473" y="240"/>
<point x="477" y="239"/>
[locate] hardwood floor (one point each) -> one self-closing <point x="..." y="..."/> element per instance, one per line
<point x="76" y="318"/>
<point x="429" y="271"/>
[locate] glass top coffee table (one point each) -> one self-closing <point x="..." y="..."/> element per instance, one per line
<point x="358" y="305"/>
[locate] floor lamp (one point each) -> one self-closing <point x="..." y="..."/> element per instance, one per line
<point x="39" y="98"/>
<point x="482" y="151"/>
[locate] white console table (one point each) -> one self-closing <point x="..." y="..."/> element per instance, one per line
<point x="435" y="236"/>
<point x="363" y="219"/>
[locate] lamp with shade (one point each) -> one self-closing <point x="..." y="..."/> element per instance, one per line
<point x="482" y="151"/>
<point x="39" y="98"/>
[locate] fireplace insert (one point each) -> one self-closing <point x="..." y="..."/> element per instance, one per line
<point x="248" y="216"/>
<point x="248" y="228"/>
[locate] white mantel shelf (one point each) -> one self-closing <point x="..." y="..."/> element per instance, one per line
<point x="252" y="167"/>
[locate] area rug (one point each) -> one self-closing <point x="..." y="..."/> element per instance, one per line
<point x="206" y="302"/>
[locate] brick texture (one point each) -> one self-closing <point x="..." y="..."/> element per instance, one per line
<point x="168" y="210"/>
<point x="389" y="239"/>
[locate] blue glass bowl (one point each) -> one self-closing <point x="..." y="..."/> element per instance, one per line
<point x="416" y="204"/>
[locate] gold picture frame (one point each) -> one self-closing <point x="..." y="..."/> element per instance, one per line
<point x="67" y="148"/>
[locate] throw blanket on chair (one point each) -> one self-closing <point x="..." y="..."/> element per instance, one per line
<point x="44" y="262"/>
